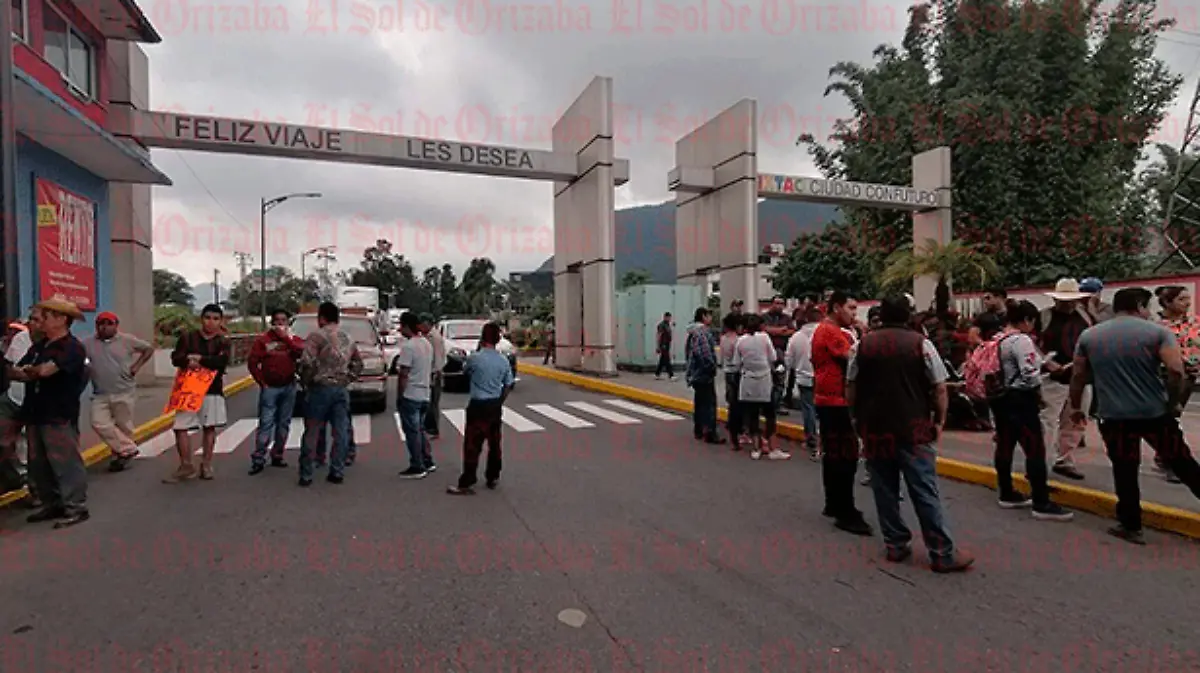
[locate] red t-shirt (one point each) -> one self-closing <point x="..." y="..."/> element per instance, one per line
<point x="830" y="354"/>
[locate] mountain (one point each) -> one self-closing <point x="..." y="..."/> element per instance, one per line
<point x="203" y="294"/>
<point x="645" y="235"/>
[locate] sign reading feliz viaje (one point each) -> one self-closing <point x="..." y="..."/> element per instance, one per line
<point x="857" y="193"/>
<point x="248" y="136"/>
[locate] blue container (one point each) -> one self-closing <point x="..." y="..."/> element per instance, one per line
<point x="639" y="310"/>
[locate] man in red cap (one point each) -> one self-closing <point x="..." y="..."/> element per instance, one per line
<point x="115" y="359"/>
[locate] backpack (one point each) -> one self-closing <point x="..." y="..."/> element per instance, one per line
<point x="983" y="373"/>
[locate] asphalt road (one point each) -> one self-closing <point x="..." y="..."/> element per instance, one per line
<point x="676" y="557"/>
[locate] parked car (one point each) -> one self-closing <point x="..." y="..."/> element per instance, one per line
<point x="462" y="338"/>
<point x="392" y="341"/>
<point x="370" y="390"/>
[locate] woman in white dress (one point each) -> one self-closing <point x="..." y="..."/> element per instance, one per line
<point x="753" y="358"/>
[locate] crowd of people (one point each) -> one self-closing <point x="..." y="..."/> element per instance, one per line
<point x="883" y="391"/>
<point x="47" y="370"/>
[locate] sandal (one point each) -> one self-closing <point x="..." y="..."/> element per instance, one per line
<point x="206" y="472"/>
<point x="181" y="473"/>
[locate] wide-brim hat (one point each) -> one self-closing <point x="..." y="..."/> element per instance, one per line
<point x="62" y="306"/>
<point x="1067" y="289"/>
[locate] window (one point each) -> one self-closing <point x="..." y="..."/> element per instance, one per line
<point x="359" y="329"/>
<point x="18" y="20"/>
<point x="68" y="51"/>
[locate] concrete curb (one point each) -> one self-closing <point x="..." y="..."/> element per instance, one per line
<point x="141" y="433"/>
<point x="1159" y="517"/>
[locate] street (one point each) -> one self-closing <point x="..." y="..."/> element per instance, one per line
<point x="615" y="542"/>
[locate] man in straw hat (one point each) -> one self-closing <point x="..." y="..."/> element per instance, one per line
<point x="55" y="373"/>
<point x="1061" y="327"/>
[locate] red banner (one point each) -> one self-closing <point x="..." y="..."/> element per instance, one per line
<point x="66" y="240"/>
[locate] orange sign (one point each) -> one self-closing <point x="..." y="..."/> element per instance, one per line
<point x="187" y="395"/>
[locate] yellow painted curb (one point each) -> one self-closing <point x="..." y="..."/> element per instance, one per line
<point x="1159" y="517"/>
<point x="141" y="433"/>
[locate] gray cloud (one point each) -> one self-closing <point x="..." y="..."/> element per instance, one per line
<point x="502" y="81"/>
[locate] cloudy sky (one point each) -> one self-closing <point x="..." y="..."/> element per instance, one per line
<point x="464" y="71"/>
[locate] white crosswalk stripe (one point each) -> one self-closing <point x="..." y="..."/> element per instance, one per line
<point x="606" y="414"/>
<point x="457" y="418"/>
<point x="553" y="413"/>
<point x="518" y="422"/>
<point x="643" y="410"/>
<point x="160" y="444"/>
<point x="399" y="425"/>
<point x="231" y="437"/>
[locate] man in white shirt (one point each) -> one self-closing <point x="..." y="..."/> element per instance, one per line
<point x="412" y="396"/>
<point x="11" y="445"/>
<point x="435" y="375"/>
<point x="798" y="357"/>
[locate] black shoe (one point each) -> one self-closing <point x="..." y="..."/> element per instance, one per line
<point x="856" y="526"/>
<point x="1051" y="512"/>
<point x="456" y="490"/>
<point x="1014" y="501"/>
<point x="413" y="473"/>
<point x="335" y="479"/>
<point x="898" y="555"/>
<point x="278" y="462"/>
<point x="1131" y="536"/>
<point x="431" y="468"/>
<point x="118" y="464"/>
<point x="73" y="519"/>
<point x="492" y="483"/>
<point x="349" y="461"/>
<point x="828" y="513"/>
<point x="305" y="482"/>
<point x="1068" y="471"/>
<point x="256" y="469"/>
<point x="713" y="439"/>
<point x="45" y="514"/>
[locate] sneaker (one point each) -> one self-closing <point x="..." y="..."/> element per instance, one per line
<point x="256" y="468"/>
<point x="1014" y="501"/>
<point x="335" y="479"/>
<point x="413" y="473"/>
<point x="45" y="514"/>
<point x="278" y="462"/>
<point x="1051" y="512"/>
<point x="492" y="484"/>
<point x="455" y="490"/>
<point x="959" y="563"/>
<point x="72" y="520"/>
<point x="777" y="454"/>
<point x="755" y="454"/>
<point x="814" y="454"/>
<point x="1131" y="536"/>
<point x="305" y="482"/>
<point x="181" y="473"/>
<point x="206" y="472"/>
<point x="1068" y="471"/>
<point x="899" y="555"/>
<point x="857" y="526"/>
<point x="431" y="468"/>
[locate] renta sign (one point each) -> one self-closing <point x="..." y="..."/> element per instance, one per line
<point x="850" y="193"/>
<point x="257" y="137"/>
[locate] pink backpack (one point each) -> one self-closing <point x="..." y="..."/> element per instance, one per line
<point x="982" y="371"/>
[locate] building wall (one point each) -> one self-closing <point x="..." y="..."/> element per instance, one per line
<point x="35" y="161"/>
<point x="28" y="56"/>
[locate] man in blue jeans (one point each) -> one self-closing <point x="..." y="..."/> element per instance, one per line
<point x="491" y="380"/>
<point x="329" y="363"/>
<point x="412" y="396"/>
<point x="272" y="363"/>
<point x="896" y="387"/>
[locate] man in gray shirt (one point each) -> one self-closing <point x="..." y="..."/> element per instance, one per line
<point x="115" y="358"/>
<point x="1125" y="357"/>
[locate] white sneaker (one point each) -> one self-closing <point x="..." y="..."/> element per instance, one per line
<point x="755" y="454"/>
<point x="779" y="455"/>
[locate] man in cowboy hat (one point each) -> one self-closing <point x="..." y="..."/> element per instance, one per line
<point x="55" y="371"/>
<point x="1061" y="327"/>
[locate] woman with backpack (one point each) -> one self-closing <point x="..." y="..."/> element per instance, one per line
<point x="1010" y="366"/>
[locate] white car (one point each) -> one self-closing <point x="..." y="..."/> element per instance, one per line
<point x="462" y="338"/>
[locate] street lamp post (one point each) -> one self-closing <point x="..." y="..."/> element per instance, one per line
<point x="325" y="249"/>
<point x="266" y="206"/>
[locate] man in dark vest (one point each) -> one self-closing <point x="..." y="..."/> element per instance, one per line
<point x="897" y="391"/>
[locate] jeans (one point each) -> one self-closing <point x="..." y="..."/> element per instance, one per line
<point x="839" y="462"/>
<point x="483" y="424"/>
<point x="918" y="464"/>
<point x="325" y="404"/>
<point x="704" y="416"/>
<point x="809" y="409"/>
<point x="1018" y="421"/>
<point x="412" y="421"/>
<point x="664" y="364"/>
<point x="351" y="447"/>
<point x="56" y="468"/>
<point x="1123" y="441"/>
<point x="274" y="420"/>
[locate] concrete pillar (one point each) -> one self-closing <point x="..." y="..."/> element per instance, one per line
<point x="130" y="210"/>
<point x="716" y="229"/>
<point x="931" y="171"/>
<point x="584" y="238"/>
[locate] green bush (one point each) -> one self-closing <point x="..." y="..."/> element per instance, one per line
<point x="169" y="321"/>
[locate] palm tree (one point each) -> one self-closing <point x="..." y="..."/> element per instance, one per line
<point x="954" y="259"/>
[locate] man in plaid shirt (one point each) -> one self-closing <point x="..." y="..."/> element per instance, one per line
<point x="702" y="376"/>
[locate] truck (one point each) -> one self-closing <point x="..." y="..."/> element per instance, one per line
<point x="352" y="296"/>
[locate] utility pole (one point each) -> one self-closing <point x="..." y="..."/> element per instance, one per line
<point x="244" y="259"/>
<point x="216" y="287"/>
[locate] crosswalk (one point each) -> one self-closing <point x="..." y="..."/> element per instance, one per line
<point x="573" y="415"/>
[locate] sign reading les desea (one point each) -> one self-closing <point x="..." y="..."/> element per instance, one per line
<point x="469" y="155"/>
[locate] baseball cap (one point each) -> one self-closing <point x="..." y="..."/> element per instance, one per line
<point x="107" y="315"/>
<point x="1091" y="285"/>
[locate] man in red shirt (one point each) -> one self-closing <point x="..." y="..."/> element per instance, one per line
<point x="831" y="349"/>
<point x="272" y="363"/>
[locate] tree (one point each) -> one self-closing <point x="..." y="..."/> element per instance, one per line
<point x="431" y="289"/>
<point x="952" y="260"/>
<point x="830" y="260"/>
<point x="633" y="278"/>
<point x="448" y="294"/>
<point x="1046" y="106"/>
<point x="290" y="292"/>
<point x="477" y="293"/>
<point x="390" y="273"/>
<point x="171" y="288"/>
